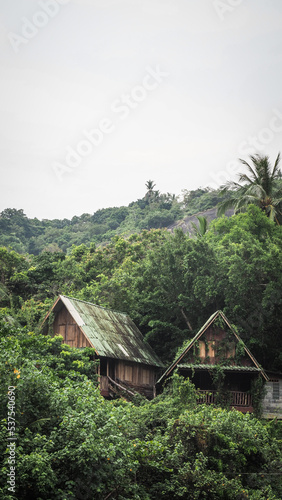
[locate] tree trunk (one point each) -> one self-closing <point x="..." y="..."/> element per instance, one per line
<point x="186" y="320"/>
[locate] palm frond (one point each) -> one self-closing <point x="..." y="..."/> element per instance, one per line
<point x="277" y="192"/>
<point x="229" y="185"/>
<point x="256" y="190"/>
<point x="244" y="201"/>
<point x="201" y="229"/>
<point x="203" y="224"/>
<point x="271" y="212"/>
<point x="277" y="203"/>
<point x="244" y="162"/>
<point x="225" y="205"/>
<point x="245" y="178"/>
<point x="259" y="186"/>
<point x="276" y="167"/>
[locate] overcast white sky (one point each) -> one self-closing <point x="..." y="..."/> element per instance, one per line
<point x="168" y="90"/>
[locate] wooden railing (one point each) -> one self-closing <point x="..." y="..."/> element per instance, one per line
<point x="206" y="397"/>
<point x="241" y="399"/>
<point x="237" y="398"/>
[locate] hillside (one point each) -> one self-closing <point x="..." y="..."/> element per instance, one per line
<point x="71" y="443"/>
<point x="153" y="211"/>
<point x="186" y="224"/>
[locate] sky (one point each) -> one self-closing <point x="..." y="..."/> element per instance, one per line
<point x="99" y="96"/>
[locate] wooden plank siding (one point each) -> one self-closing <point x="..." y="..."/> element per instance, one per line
<point x="65" y="325"/>
<point x="132" y="374"/>
<point x="135" y="374"/>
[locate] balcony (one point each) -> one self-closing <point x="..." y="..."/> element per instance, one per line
<point x="239" y="400"/>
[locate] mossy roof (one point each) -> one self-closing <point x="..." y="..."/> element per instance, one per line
<point x="112" y="334"/>
<point x="208" y="323"/>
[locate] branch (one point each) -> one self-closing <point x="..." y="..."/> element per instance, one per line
<point x="121" y="387"/>
<point x="110" y="494"/>
<point x="186" y="319"/>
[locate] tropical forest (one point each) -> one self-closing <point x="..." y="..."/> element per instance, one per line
<point x="169" y="262"/>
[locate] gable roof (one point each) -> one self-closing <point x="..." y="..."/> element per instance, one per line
<point x="202" y="330"/>
<point x="112" y="334"/>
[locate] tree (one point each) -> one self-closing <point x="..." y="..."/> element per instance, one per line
<point x="248" y="247"/>
<point x="3" y="291"/>
<point x="13" y="276"/>
<point x="73" y="444"/>
<point x="175" y="291"/>
<point x="150" y="190"/>
<point x="259" y="186"/>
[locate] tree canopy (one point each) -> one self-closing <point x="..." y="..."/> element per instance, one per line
<point x="73" y="444"/>
<point x="259" y="186"/>
<point x="154" y="211"/>
<point x="168" y="282"/>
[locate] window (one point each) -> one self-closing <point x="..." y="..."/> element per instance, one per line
<point x="207" y="350"/>
<point x="211" y="348"/>
<point x="202" y="349"/>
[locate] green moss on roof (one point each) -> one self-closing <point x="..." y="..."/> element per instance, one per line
<point x="112" y="334"/>
<point x="225" y="368"/>
<point x="183" y="352"/>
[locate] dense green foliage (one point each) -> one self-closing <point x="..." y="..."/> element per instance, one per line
<point x="169" y="283"/>
<point x="155" y="210"/>
<point x="72" y="444"/>
<point x="260" y="186"/>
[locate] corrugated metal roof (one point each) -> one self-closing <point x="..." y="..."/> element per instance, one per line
<point x="112" y="334"/>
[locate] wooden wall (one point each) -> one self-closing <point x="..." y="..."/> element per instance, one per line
<point x="65" y="325"/>
<point x="135" y="374"/>
<point x="214" y="346"/>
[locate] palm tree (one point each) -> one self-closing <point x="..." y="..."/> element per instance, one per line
<point x="150" y="190"/>
<point x="259" y="186"/>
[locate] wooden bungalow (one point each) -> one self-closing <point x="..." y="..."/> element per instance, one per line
<point x="219" y="364"/>
<point x="127" y="363"/>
